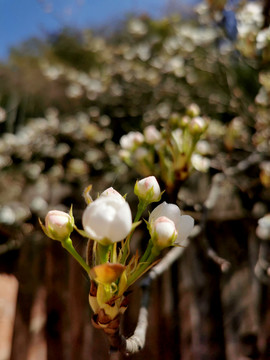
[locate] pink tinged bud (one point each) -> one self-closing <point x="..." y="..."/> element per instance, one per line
<point x="151" y="134"/>
<point x="58" y="225"/>
<point x="163" y="232"/>
<point x="112" y="192"/>
<point x="107" y="219"/>
<point x="148" y="189"/>
<point x="183" y="223"/>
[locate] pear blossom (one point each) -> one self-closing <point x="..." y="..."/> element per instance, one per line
<point x="151" y="134"/>
<point x="183" y="223"/>
<point x="193" y="110"/>
<point x="58" y="225"/>
<point x="131" y="139"/>
<point x="107" y="219"/>
<point x="163" y="232"/>
<point x="200" y="163"/>
<point x="263" y="229"/>
<point x="148" y="189"/>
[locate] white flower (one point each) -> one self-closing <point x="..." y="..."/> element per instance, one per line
<point x="151" y="134"/>
<point x="58" y="225"/>
<point x="200" y="163"/>
<point x="183" y="223"/>
<point x="131" y="139"/>
<point x="163" y="232"/>
<point x="148" y="189"/>
<point x="107" y="219"/>
<point x="263" y="229"/>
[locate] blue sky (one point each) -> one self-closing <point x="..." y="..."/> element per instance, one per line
<point x="22" y="19"/>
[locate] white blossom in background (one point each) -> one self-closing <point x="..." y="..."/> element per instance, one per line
<point x="74" y="90"/>
<point x="200" y="163"/>
<point x="183" y="223"/>
<point x="131" y="139"/>
<point x="151" y="134"/>
<point x="137" y="27"/>
<point x="198" y="125"/>
<point x="263" y="38"/>
<point x="148" y="189"/>
<point x="107" y="219"/>
<point x="249" y="18"/>
<point x="58" y="225"/>
<point x="263" y="228"/>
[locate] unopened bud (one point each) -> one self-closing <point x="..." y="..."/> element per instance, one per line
<point x="163" y="232"/>
<point x="193" y="110"/>
<point x="58" y="225"/>
<point x="198" y="125"/>
<point x="148" y="189"/>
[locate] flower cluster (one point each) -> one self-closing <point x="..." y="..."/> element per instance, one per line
<point x="169" y="153"/>
<point x="107" y="223"/>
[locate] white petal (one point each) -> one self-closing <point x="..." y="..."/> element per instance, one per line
<point x="171" y="211"/>
<point x="122" y="223"/>
<point x="184" y="228"/>
<point x="108" y="217"/>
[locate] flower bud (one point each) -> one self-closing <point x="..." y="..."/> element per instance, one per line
<point x="193" y="110"/>
<point x="198" y="125"/>
<point x="58" y="225"/>
<point x="107" y="219"/>
<point x="183" y="223"/>
<point x="151" y="134"/>
<point x="163" y="232"/>
<point x="148" y="189"/>
<point x="130" y="140"/>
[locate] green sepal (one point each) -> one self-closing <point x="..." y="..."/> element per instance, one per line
<point x="81" y="232"/>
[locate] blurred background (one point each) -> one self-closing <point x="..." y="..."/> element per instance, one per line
<point x="76" y="76"/>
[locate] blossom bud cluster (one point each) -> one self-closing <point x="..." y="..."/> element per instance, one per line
<point x="167" y="152"/>
<point x="108" y="220"/>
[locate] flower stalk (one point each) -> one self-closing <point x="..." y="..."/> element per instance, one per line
<point x="67" y="244"/>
